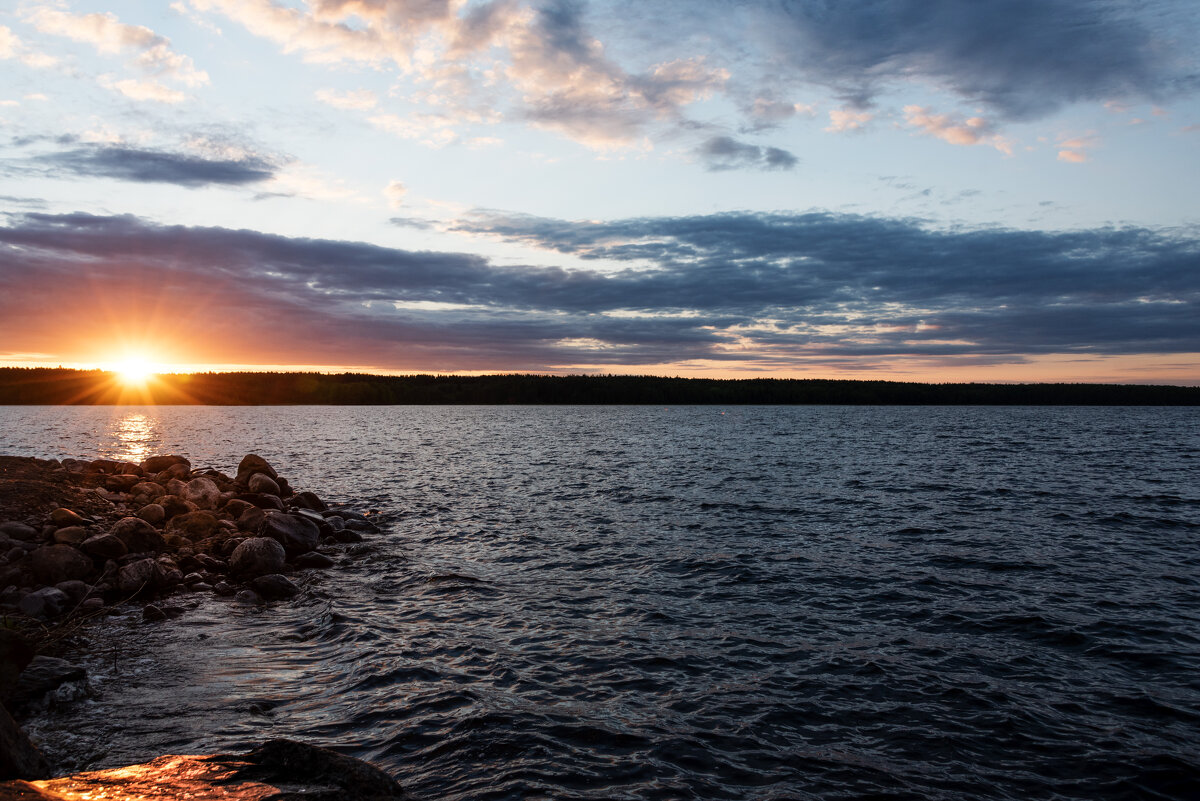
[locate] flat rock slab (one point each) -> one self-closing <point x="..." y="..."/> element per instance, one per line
<point x="280" y="770"/>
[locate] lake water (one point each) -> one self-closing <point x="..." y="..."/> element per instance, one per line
<point x="650" y="603"/>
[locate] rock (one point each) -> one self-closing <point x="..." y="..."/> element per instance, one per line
<point x="44" y="675"/>
<point x="142" y="577"/>
<point x="257" y="556"/>
<point x="296" y="534"/>
<point x="152" y="613"/>
<point x="47" y="602"/>
<point x="313" y="559"/>
<point x="54" y="563"/>
<point x="153" y="513"/>
<point x="71" y="535"/>
<point x="174" y="505"/>
<point x="362" y="526"/>
<point x="251" y="519"/>
<point x="223" y="588"/>
<point x="157" y="464"/>
<point x="248" y="597"/>
<point x="19" y="759"/>
<point x="65" y="517"/>
<point x="202" y="492"/>
<point x="18" y="531"/>
<point x="146" y="492"/>
<point x="15" y="654"/>
<point x="195" y="526"/>
<point x="177" y="488"/>
<point x="323" y="527"/>
<point x="274" y="587"/>
<point x="91" y="605"/>
<point x="309" y="500"/>
<point x="121" y="483"/>
<point x="262" y="484"/>
<point x="137" y="535"/>
<point x="253" y="463"/>
<point x="279" y="769"/>
<point x="201" y="586"/>
<point x="104" y="546"/>
<point x="235" y="507"/>
<point x="262" y="501"/>
<point x="75" y="590"/>
<point x="346" y="535"/>
<point x="175" y="472"/>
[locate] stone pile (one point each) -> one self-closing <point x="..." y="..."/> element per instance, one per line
<point x="165" y="527"/>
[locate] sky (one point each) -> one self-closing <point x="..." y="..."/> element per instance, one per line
<point x="929" y="190"/>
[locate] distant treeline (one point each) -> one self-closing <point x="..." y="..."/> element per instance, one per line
<point x="94" y="387"/>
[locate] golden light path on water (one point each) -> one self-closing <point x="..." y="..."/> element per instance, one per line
<point x="135" y="432"/>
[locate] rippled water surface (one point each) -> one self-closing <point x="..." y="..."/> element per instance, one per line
<point x="649" y="603"/>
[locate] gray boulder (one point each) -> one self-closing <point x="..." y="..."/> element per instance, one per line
<point x="104" y="546"/>
<point x="157" y="464"/>
<point x="253" y="463"/>
<point x="18" y="531"/>
<point x="47" y="602"/>
<point x="203" y="492"/>
<point x="296" y="534"/>
<point x="257" y="556"/>
<point x="153" y="513"/>
<point x="142" y="577"/>
<point x="263" y="484"/>
<point x="274" y="587"/>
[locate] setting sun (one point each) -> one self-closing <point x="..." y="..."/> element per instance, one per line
<point x="134" y="370"/>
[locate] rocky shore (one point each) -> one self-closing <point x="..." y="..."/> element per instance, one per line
<point x="81" y="539"/>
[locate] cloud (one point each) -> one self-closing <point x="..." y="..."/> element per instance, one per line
<point x="358" y="100"/>
<point x="395" y="192"/>
<point x="11" y="46"/>
<point x="109" y="36"/>
<point x="1074" y="149"/>
<point x="9" y="43"/>
<point x="157" y="166"/>
<point x="724" y="153"/>
<point x="842" y="120"/>
<point x="146" y="89"/>
<point x="769" y="289"/>
<point x="956" y="130"/>
<point x="1024" y="59"/>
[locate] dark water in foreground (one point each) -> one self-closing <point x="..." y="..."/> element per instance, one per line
<point x="768" y="603"/>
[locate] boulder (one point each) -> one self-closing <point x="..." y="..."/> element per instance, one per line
<point x="174" y="505"/>
<point x="54" y="563"/>
<point x="262" y="501"/>
<point x="313" y="559"/>
<point x="274" y="587"/>
<point x="309" y="500"/>
<point x="257" y="556"/>
<point x="122" y="482"/>
<point x="157" y="464"/>
<point x="152" y="613"/>
<point x="262" y="484"/>
<point x="76" y="590"/>
<point x="19" y="759"/>
<point x="137" y="535"/>
<point x="173" y="473"/>
<point x="47" y="602"/>
<point x="104" y="546"/>
<point x="66" y="517"/>
<point x="194" y="526"/>
<point x="44" y="675"/>
<point x="142" y="577"/>
<point x="153" y="513"/>
<point x="235" y="507"/>
<point x="253" y="463"/>
<point x="145" y="492"/>
<point x="296" y="534"/>
<point x="203" y="492"/>
<point x="176" y="487"/>
<point x="18" y="531"/>
<point x="71" y="535"/>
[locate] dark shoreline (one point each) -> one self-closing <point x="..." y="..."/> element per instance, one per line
<point x="59" y="386"/>
<point x="82" y="540"/>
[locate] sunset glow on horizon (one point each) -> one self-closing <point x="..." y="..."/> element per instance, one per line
<point x="908" y="191"/>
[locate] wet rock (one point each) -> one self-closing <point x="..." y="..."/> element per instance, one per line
<point x="146" y="492"/>
<point x="296" y="534"/>
<point x="137" y="535"/>
<point x="309" y="500"/>
<point x="196" y="525"/>
<point x="201" y="586"/>
<point x="44" y="675"/>
<point x="362" y="526"/>
<point x="91" y="605"/>
<point x="323" y="527"/>
<point x="235" y="507"/>
<point x="262" y="484"/>
<point x="152" y="613"/>
<point x="175" y="472"/>
<point x="253" y="463"/>
<point x="268" y="502"/>
<point x="251" y="519"/>
<point x="157" y="464"/>
<point x="224" y="588"/>
<point x="18" y="531"/>
<point x="48" y="602"/>
<point x="66" y="517"/>
<point x="104" y="546"/>
<point x="142" y="577"/>
<point x="274" y="587"/>
<point x="19" y="759"/>
<point x="178" y="488"/>
<point x="71" y="535"/>
<point x="347" y="536"/>
<point x="153" y="513"/>
<point x="312" y="559"/>
<point x="257" y="556"/>
<point x="54" y="563"/>
<point x="248" y="597"/>
<point x="203" y="492"/>
<point x="121" y="483"/>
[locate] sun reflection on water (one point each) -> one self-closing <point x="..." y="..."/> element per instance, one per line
<point x="134" y="433"/>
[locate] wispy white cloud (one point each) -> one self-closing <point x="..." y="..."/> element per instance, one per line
<point x="395" y="192"/>
<point x="842" y="120"/>
<point x="143" y="89"/>
<point x="357" y="100"/>
<point x="1073" y="149"/>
